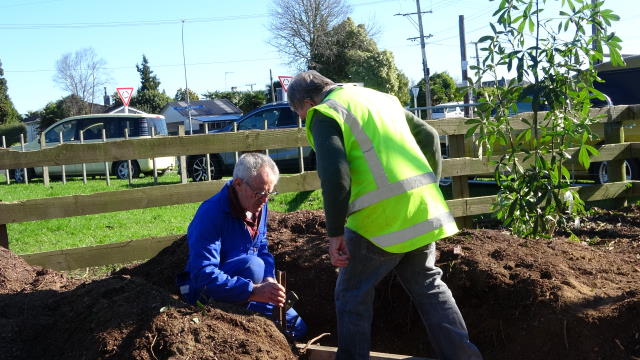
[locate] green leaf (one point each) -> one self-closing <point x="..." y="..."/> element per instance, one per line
<point x="471" y="131"/>
<point x="583" y="157"/>
<point x="522" y="25"/>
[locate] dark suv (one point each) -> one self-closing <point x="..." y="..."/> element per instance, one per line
<point x="278" y="116"/>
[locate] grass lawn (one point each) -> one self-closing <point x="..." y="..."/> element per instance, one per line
<point x="55" y="234"/>
<point x="88" y="230"/>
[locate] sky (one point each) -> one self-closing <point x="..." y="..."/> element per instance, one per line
<point x="226" y="43"/>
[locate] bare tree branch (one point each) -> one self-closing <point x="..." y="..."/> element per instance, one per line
<point x="299" y="27"/>
<point x="81" y="73"/>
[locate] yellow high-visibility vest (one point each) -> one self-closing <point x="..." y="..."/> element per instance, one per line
<point x="395" y="200"/>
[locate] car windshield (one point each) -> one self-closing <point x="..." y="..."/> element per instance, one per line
<point x="159" y="125"/>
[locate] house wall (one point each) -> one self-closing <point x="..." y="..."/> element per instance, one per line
<point x="174" y="119"/>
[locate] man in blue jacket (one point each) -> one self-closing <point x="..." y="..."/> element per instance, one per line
<point x="228" y="256"/>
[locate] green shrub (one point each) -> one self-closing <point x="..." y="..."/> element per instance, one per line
<point x="553" y="59"/>
<point x="12" y="132"/>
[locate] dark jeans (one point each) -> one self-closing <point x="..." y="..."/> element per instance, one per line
<point x="421" y="279"/>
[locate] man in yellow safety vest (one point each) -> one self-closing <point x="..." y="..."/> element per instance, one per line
<point x="379" y="167"/>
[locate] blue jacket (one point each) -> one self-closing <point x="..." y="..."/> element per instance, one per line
<point x="215" y="236"/>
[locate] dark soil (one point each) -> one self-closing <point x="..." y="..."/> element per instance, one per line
<point x="522" y="299"/>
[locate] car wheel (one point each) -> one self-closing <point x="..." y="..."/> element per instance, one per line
<point x="18" y="175"/>
<point x="198" y="168"/>
<point x="631" y="167"/>
<point x="121" y="170"/>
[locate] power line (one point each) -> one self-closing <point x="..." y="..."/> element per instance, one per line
<point x="27" y="4"/>
<point x="138" y="23"/>
<point x="158" y="66"/>
<point x="135" y="23"/>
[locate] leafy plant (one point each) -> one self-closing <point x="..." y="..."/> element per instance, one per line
<point x="553" y="61"/>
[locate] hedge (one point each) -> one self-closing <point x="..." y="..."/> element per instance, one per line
<point x="12" y="132"/>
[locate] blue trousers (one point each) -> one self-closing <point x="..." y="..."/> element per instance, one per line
<point x="251" y="267"/>
<point x="421" y="279"/>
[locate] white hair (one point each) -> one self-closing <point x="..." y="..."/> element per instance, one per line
<point x="249" y="164"/>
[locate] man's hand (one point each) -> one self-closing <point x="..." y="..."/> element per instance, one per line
<point x="268" y="292"/>
<point x="338" y="251"/>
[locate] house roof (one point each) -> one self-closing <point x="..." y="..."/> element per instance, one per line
<point x="203" y="108"/>
<point x="224" y="117"/>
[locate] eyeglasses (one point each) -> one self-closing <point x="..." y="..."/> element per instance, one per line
<point x="260" y="194"/>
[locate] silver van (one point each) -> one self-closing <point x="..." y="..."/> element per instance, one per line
<point x="91" y="126"/>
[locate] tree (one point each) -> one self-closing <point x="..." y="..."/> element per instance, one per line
<point x="443" y="89"/>
<point x="556" y="58"/>
<point x="148" y="81"/>
<point x="148" y="98"/>
<point x="150" y="101"/>
<point x="52" y="112"/>
<point x="245" y="100"/>
<point x="378" y="71"/>
<point x="299" y="27"/>
<point x="351" y="55"/>
<point x="8" y="113"/>
<point x="180" y="95"/>
<point x="80" y="74"/>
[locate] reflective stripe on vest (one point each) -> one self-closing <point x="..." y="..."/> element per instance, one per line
<point x="416" y="230"/>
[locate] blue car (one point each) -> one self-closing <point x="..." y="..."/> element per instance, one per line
<point x="277" y="116"/>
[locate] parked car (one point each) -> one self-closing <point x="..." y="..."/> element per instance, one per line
<point x="448" y="110"/>
<point x="278" y="116"/>
<point x="91" y="126"/>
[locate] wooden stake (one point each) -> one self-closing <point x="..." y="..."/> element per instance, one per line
<point x="282" y="280"/>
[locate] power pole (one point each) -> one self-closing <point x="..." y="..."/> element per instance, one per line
<point x="468" y="112"/>
<point x="425" y="68"/>
<point x="273" y="92"/>
<point x="186" y="84"/>
<point x="477" y="57"/>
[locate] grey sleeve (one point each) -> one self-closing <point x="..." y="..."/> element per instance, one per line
<point x="333" y="171"/>
<point x="428" y="140"/>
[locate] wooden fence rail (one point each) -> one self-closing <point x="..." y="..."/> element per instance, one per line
<point x="458" y="167"/>
<point x="141" y="249"/>
<point x="67" y="154"/>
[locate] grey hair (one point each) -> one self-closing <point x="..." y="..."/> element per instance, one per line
<point x="249" y="164"/>
<point x="307" y="85"/>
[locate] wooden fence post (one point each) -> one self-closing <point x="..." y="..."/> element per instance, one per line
<point x="4" y="236"/>
<point x="26" y="173"/>
<point x="7" y="174"/>
<point x="63" y="167"/>
<point x="45" y="169"/>
<point x="106" y="164"/>
<point x="266" y="127"/>
<point x="614" y="134"/>
<point x="300" y="150"/>
<point x="208" y="156"/>
<point x="460" y="184"/>
<point x="153" y="160"/>
<point x="183" y="159"/>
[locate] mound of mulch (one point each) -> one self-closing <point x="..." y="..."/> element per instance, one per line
<point x="562" y="298"/>
<point x="44" y="315"/>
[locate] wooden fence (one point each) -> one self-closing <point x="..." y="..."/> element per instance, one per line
<point x="458" y="166"/>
